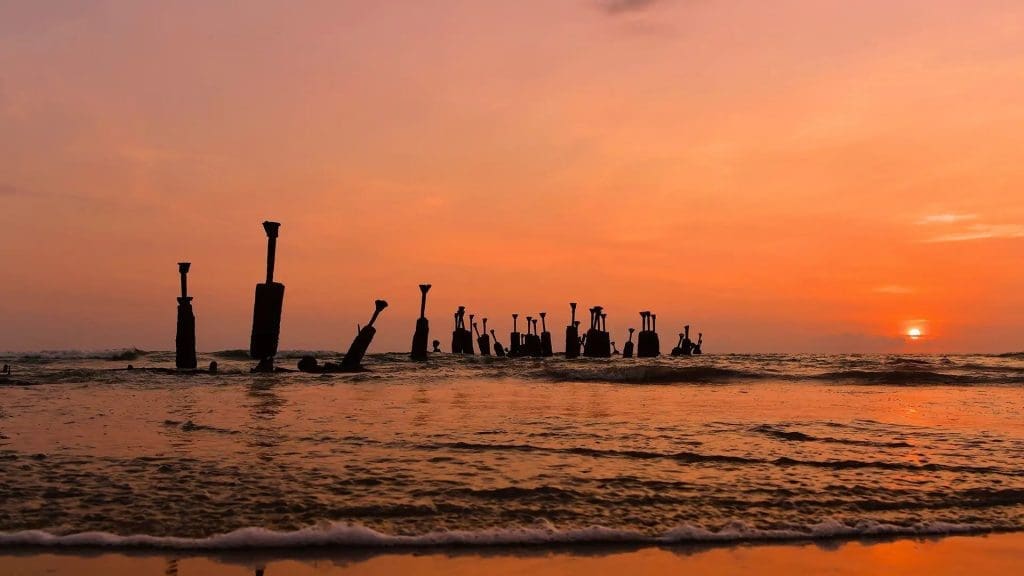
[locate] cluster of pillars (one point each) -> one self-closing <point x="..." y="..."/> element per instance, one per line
<point x="269" y="301"/>
<point x="647" y="343"/>
<point x="268" y="304"/>
<point x="687" y="347"/>
<point x="535" y="342"/>
<point x="597" y="341"/>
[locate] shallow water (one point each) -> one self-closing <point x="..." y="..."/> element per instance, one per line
<point x="474" y="450"/>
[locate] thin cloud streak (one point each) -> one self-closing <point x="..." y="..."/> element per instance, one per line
<point x="616" y="7"/>
<point x="946" y="218"/>
<point x="983" y="232"/>
<point x="894" y="289"/>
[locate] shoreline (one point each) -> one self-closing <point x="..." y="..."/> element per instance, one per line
<point x="345" y="536"/>
<point x="989" y="553"/>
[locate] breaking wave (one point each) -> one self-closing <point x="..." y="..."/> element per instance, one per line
<point x="343" y="535"/>
<point x="649" y="374"/>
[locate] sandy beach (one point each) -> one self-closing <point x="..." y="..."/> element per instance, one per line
<point x="978" y="555"/>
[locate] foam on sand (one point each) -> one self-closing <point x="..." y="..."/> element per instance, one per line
<point x="354" y="536"/>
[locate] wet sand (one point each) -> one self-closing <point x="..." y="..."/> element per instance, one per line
<point x="977" y="555"/>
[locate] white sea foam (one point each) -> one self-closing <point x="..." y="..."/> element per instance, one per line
<point x="354" y="536"/>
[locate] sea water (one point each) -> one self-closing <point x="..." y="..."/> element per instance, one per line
<point x="474" y="450"/>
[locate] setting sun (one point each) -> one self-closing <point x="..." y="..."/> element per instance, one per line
<point x="914" y="333"/>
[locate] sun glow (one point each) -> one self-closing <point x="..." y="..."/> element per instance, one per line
<point x="914" y="333"/>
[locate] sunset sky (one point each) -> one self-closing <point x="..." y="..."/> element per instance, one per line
<point x="792" y="175"/>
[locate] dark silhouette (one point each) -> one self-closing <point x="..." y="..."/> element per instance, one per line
<point x="615" y="351"/>
<point x="467" y="337"/>
<point x="185" y="338"/>
<point x="7" y="370"/>
<point x="354" y="357"/>
<point x="422" y="334"/>
<point x="686" y="346"/>
<point x="266" y="316"/>
<point x="678" y="350"/>
<point x="499" y="350"/>
<point x="647" y="344"/>
<point x="462" y="338"/>
<point x="458" y="342"/>
<point x="596" y="343"/>
<point x="483" y="341"/>
<point x="532" y="341"/>
<point x="545" y="337"/>
<point x="700" y="342"/>
<point x="437" y="346"/>
<point x="627" y="348"/>
<point x="309" y="364"/>
<point x="213" y="367"/>
<point x="513" y="338"/>
<point x="572" y="335"/>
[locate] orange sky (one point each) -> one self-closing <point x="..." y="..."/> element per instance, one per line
<point x="794" y="175"/>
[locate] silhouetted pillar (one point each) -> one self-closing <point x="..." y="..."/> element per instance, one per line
<point x="545" y="337"/>
<point x="422" y="334"/>
<point x="457" y="340"/>
<point x="627" y="348"/>
<point x="266" y="316"/>
<point x="678" y="350"/>
<point x="483" y="340"/>
<point x="499" y="350"/>
<point x="467" y="337"/>
<point x="656" y="345"/>
<point x="700" y="342"/>
<point x="597" y="343"/>
<point x="572" y="335"/>
<point x="185" y="338"/>
<point x="687" y="343"/>
<point x="514" y="349"/>
<point x="647" y="344"/>
<point x="354" y="357"/>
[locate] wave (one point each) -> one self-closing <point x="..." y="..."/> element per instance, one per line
<point x="698" y="458"/>
<point x="650" y="374"/>
<point x="355" y="536"/>
<point x="114" y="354"/>
<point x="911" y="377"/>
<point x="795" y="436"/>
<point x="660" y="374"/>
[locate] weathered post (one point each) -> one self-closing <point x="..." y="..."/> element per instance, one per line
<point x="467" y="337"/>
<point x="627" y="348"/>
<point x="687" y="345"/>
<point x="422" y="334"/>
<point x="457" y="340"/>
<point x="597" y="343"/>
<point x="499" y="350"/>
<point x="514" y="339"/>
<point x="572" y="335"/>
<point x="545" y="337"/>
<point x="354" y="357"/>
<point x="678" y="350"/>
<point x="483" y="340"/>
<point x="185" y="338"/>
<point x="266" y="316"/>
<point x="700" y="342"/>
<point x="647" y="344"/>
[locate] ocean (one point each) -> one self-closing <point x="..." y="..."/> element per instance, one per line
<point x="480" y="451"/>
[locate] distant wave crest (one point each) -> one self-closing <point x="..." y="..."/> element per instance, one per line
<point x="355" y="536"/>
<point x="649" y="374"/>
